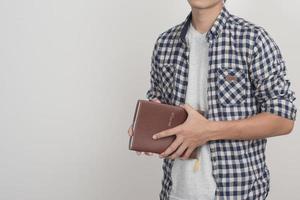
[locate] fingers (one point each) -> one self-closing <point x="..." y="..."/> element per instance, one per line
<point x="188" y="153"/>
<point x="188" y="108"/>
<point x="138" y="152"/>
<point x="168" y="132"/>
<point x="172" y="147"/>
<point x="130" y="130"/>
<point x="155" y="100"/>
<point x="146" y="153"/>
<point x="179" y="151"/>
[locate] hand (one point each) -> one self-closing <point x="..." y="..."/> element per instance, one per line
<point x="130" y="133"/>
<point x="192" y="133"/>
<point x="138" y="152"/>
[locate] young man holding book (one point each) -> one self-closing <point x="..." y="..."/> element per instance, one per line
<point x="233" y="70"/>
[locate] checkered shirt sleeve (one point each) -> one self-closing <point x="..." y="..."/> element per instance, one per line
<point x="268" y="75"/>
<point x="154" y="90"/>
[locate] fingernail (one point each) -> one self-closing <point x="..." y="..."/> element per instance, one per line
<point x="154" y="136"/>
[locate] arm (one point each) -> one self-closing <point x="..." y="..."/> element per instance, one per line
<point x="272" y="91"/>
<point x="274" y="97"/>
<point x="260" y="126"/>
<point x="197" y="130"/>
<point x="154" y="91"/>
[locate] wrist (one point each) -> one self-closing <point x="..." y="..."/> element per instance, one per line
<point x="214" y="130"/>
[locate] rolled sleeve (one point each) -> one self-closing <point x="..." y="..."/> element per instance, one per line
<point x="154" y="90"/>
<point x="272" y="88"/>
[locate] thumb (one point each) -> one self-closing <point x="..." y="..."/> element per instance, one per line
<point x="187" y="107"/>
<point x="155" y="100"/>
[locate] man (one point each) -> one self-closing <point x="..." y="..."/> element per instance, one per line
<point x="247" y="99"/>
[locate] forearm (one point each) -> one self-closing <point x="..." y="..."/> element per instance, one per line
<point x="262" y="125"/>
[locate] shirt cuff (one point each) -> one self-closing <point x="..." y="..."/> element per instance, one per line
<point x="281" y="107"/>
<point x="151" y="94"/>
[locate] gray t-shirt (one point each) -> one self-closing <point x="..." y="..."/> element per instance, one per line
<point x="187" y="183"/>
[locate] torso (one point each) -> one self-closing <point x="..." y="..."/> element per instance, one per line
<point x="200" y="184"/>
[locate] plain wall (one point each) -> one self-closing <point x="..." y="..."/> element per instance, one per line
<point x="70" y="75"/>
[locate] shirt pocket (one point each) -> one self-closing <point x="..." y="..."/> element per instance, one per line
<point x="167" y="78"/>
<point x="232" y="85"/>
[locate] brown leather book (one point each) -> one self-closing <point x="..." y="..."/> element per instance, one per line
<point x="150" y="118"/>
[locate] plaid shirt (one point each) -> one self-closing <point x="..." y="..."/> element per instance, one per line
<point x="246" y="76"/>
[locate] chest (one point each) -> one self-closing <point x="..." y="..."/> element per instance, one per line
<point x="228" y="84"/>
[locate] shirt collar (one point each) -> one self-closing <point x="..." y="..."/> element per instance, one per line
<point x="214" y="31"/>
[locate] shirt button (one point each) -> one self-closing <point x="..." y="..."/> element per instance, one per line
<point x="213" y="158"/>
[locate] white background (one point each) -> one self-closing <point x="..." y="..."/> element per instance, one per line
<point x="70" y="75"/>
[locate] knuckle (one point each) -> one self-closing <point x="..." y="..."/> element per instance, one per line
<point x="179" y="136"/>
<point x="184" y="157"/>
<point x="188" y="154"/>
<point x="180" y="129"/>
